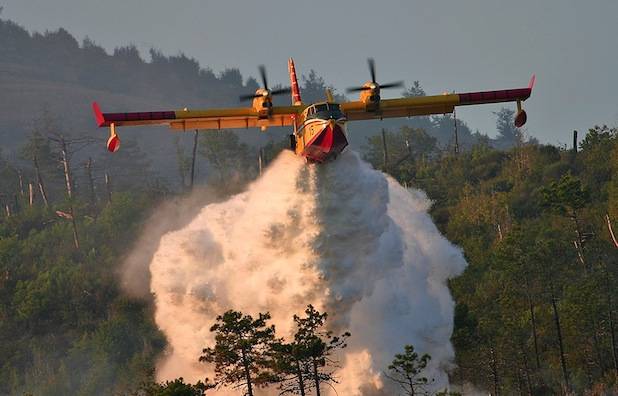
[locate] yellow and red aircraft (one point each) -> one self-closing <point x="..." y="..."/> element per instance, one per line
<point x="319" y="128"/>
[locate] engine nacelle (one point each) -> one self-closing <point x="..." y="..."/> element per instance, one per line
<point x="370" y="96"/>
<point x="113" y="143"/>
<point x="370" y="93"/>
<point x="263" y="103"/>
<point x="521" y="117"/>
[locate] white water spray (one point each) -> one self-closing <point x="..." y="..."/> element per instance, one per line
<point x="341" y="236"/>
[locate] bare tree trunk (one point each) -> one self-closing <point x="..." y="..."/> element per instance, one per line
<point x="565" y="372"/>
<point x="108" y="187"/>
<point x="193" y="158"/>
<point x="611" y="230"/>
<point x="411" y="385"/>
<point x="69" y="186"/>
<point x="532" y="320"/>
<point x="301" y="382"/>
<point x="534" y="334"/>
<point x="494" y="370"/>
<point x="579" y="243"/>
<point x="39" y="180"/>
<point x="610" y="314"/>
<point x="7" y="209"/>
<point x="456" y="133"/>
<point x="93" y="197"/>
<point x="384" y="149"/>
<point x="74" y="223"/>
<point x="21" y="183"/>
<point x="316" y="376"/>
<point x="30" y="194"/>
<point x="67" y="169"/>
<point x="245" y="363"/>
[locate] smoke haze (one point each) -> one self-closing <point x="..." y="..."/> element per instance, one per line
<point x="341" y="236"/>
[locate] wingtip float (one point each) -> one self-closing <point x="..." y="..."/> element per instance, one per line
<point x="319" y="129"/>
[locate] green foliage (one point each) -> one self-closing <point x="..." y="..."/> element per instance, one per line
<point x="406" y="370"/>
<point x="69" y="328"/>
<point x="598" y="162"/>
<point x="230" y="161"/>
<point x="565" y="196"/>
<point x="307" y="361"/>
<point x="248" y="354"/>
<point x="65" y="327"/>
<point x="404" y="149"/>
<point x="176" y="387"/>
<point x="527" y="219"/>
<point x="241" y="354"/>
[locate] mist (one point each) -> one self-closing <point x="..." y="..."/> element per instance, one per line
<point x="341" y="236"/>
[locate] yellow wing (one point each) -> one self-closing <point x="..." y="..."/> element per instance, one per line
<point x="225" y="118"/>
<point x="426" y="105"/>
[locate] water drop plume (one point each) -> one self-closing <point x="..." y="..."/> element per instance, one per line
<point x="341" y="236"/>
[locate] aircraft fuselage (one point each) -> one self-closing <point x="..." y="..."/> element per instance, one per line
<point x="320" y="132"/>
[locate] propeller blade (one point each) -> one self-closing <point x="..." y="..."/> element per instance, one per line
<point x="262" y="69"/>
<point x="242" y="98"/>
<point x="357" y="89"/>
<point x="281" y="91"/>
<point x="398" y="84"/>
<point x="372" y="69"/>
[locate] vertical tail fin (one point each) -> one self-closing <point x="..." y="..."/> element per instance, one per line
<point x="294" y="83"/>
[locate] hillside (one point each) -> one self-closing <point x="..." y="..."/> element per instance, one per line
<point x="535" y="310"/>
<point x="52" y="73"/>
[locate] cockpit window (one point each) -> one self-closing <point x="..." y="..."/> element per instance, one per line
<point x="324" y="110"/>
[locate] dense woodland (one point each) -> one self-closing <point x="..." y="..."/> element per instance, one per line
<point x="535" y="309"/>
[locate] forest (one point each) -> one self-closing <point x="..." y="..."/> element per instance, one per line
<point x="535" y="309"/>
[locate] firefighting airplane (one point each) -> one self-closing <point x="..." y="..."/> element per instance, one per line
<point x="319" y="128"/>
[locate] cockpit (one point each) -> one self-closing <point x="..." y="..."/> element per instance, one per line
<point x="324" y="111"/>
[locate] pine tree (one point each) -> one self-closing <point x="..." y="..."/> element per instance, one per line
<point x="407" y="371"/>
<point x="242" y="350"/>
<point x="508" y="134"/>
<point x="317" y="347"/>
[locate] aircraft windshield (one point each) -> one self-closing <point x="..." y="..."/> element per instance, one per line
<point x="324" y="110"/>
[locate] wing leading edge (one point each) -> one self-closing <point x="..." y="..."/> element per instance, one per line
<point x="225" y="118"/>
<point x="436" y="104"/>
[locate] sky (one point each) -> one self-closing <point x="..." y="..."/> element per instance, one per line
<point x="448" y="45"/>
